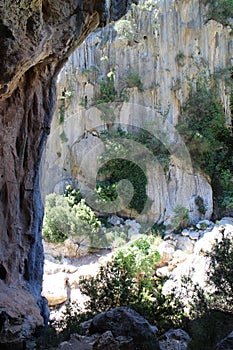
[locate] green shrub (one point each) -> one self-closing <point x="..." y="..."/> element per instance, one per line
<point x="134" y="80"/>
<point x="63" y="137"/>
<point x="211" y="312"/>
<point x="180" y="59"/>
<point x="119" y="169"/>
<point x="58" y="220"/>
<point x="62" y="221"/>
<point x="73" y="196"/>
<point x="106" y="191"/>
<point x="202" y="124"/>
<point x="107" y="90"/>
<point x="199" y="201"/>
<point x="125" y="30"/>
<point x="143" y="137"/>
<point x="66" y="95"/>
<point x="220" y="11"/>
<point x="220" y="273"/>
<point x="129" y="280"/>
<point x="62" y="110"/>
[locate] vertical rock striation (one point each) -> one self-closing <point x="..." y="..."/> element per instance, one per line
<point x="155" y="52"/>
<point x="36" y="38"/>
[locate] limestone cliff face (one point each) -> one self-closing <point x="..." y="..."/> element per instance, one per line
<point x="36" y="37"/>
<point x="153" y="53"/>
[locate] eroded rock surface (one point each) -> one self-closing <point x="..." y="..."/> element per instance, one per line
<point x="36" y="38"/>
<point x="119" y="328"/>
<point x="154" y="53"/>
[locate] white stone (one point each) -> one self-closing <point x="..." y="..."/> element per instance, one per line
<point x="166" y="251"/>
<point x="194" y="235"/>
<point x="185" y="244"/>
<point x="163" y="271"/>
<point x="185" y="232"/>
<point x="226" y="221"/>
<point x="115" y="220"/>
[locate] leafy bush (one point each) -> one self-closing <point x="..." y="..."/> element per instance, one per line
<point x="125" y="29"/>
<point x="211" y="311"/>
<point x="134" y="80"/>
<point x="180" y="59"/>
<point x="199" y="201"/>
<point x="73" y="195"/>
<point x="106" y="191"/>
<point x="62" y="221"/>
<point x="66" y="95"/>
<point x="59" y="221"/>
<point x="63" y="137"/>
<point x="220" y="10"/>
<point x="119" y="169"/>
<point x="202" y="124"/>
<point x="129" y="279"/>
<point x="220" y="273"/>
<point x="107" y="90"/>
<point x="145" y="138"/>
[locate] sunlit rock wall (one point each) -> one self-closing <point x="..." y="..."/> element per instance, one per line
<point x="167" y="45"/>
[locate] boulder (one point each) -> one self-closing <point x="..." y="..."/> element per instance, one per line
<point x="19" y="315"/>
<point x="134" y="227"/>
<point x="205" y="243"/>
<point x="226" y="221"/>
<point x="178" y="257"/>
<point x="194" y="235"/>
<point x="54" y="289"/>
<point x="106" y="341"/>
<point x="166" y="251"/>
<point x="185" y="244"/>
<point x="115" y="220"/>
<point x="123" y="321"/>
<point x="174" y="339"/>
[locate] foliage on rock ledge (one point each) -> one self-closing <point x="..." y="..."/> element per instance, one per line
<point x="220" y="11"/>
<point x="203" y="125"/>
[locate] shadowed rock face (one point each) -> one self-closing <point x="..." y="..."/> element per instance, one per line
<point x="36" y="37"/>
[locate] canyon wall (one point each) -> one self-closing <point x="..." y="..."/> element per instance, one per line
<point x="153" y="55"/>
<point x="36" y="38"/>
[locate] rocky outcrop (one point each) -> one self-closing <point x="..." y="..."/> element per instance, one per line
<point x="184" y="255"/>
<point x="119" y="328"/>
<point x="175" y="339"/>
<point x="36" y="38"/>
<point x="154" y="53"/>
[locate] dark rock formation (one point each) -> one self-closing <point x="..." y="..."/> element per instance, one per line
<point x="125" y="322"/>
<point x="175" y="339"/>
<point x="118" y="329"/>
<point x="36" y="37"/>
<point x="226" y="343"/>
